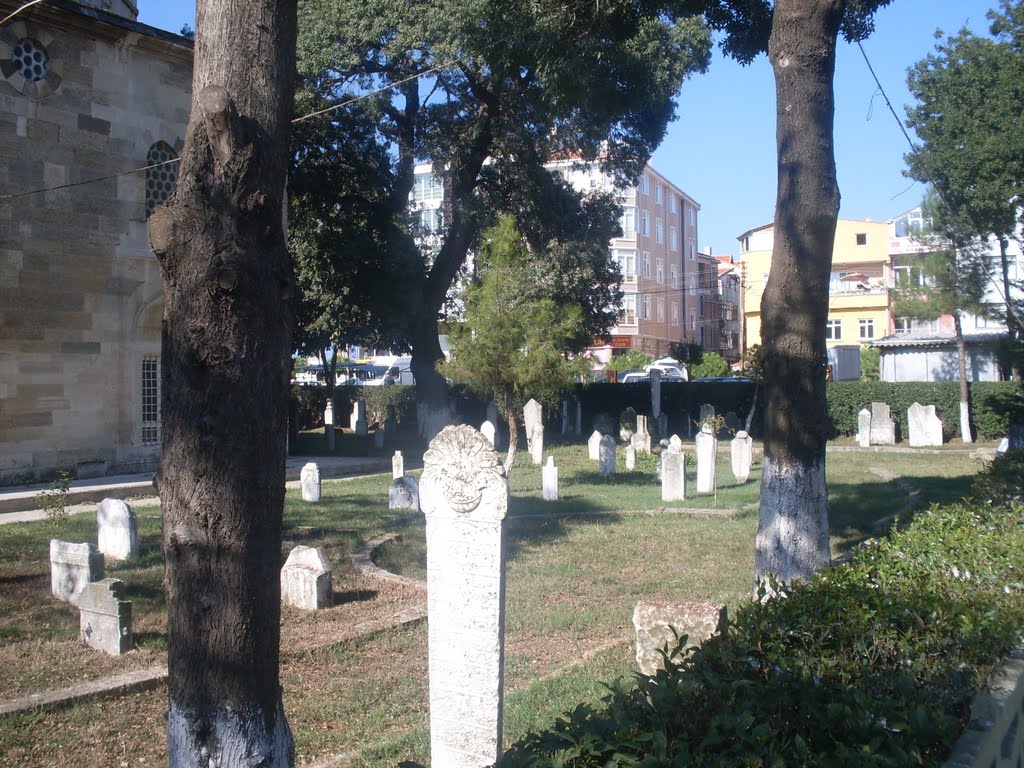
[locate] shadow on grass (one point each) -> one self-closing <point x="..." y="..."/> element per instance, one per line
<point x="354" y="596"/>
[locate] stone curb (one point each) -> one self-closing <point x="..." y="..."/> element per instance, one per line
<point x="362" y="559"/>
<point x="119" y="685"/>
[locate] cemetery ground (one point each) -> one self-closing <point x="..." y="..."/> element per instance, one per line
<point x="355" y="677"/>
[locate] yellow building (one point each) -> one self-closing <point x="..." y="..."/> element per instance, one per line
<point x="858" y="304"/>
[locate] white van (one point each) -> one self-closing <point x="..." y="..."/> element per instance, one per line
<point x="670" y="368"/>
<point x="399" y="371"/>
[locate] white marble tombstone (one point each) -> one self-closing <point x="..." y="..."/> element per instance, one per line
<point x="864" y="428"/>
<point x="594" y="446"/>
<point x="487" y="430"/>
<point x="329" y="424"/>
<point x="72" y="566"/>
<point x="655" y="394"/>
<point x="358" y="419"/>
<point x="641" y="439"/>
<point x="309" y="481"/>
<point x="465" y="499"/>
<point x="673" y="472"/>
<point x="923" y="425"/>
<point x="533" y="420"/>
<point x="606" y="466"/>
<point x="397" y="465"/>
<point x="117" y="530"/>
<point x="707" y="454"/>
<point x="499" y="432"/>
<point x="404" y="494"/>
<point x="549" y="480"/>
<point x="883" y="428"/>
<point x="630" y="457"/>
<point x="306" y="580"/>
<point x="105" y="621"/>
<point x="742" y="456"/>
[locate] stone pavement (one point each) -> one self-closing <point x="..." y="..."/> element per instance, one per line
<point x="19" y="504"/>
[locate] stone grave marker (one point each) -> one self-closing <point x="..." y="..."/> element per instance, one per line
<point x="606" y="467"/>
<point x="487" y="430"/>
<point x="630" y="456"/>
<point x="390" y="420"/>
<point x="864" y="428"/>
<point x="378" y="438"/>
<point x="707" y="454"/>
<point x="731" y="420"/>
<point x="565" y="416"/>
<point x="627" y="424"/>
<point x="329" y="423"/>
<point x="883" y="428"/>
<point x="661" y="455"/>
<point x="742" y="456"/>
<point x="655" y="394"/>
<point x="606" y="423"/>
<point x="397" y="465"/>
<point x="662" y="425"/>
<point x="579" y="417"/>
<point x="404" y="494"/>
<point x="707" y="411"/>
<point x="465" y="499"/>
<point x="673" y="472"/>
<point x="549" y="480"/>
<point x="358" y="418"/>
<point x="533" y="419"/>
<point x="641" y="439"/>
<point x="309" y="480"/>
<point x="924" y="426"/>
<point x="105" y="621"/>
<point x="117" y="530"/>
<point x="594" y="446"/>
<point x="72" y="566"/>
<point x="306" y="580"/>
<point x="655" y="620"/>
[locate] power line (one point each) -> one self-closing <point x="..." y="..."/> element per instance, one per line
<point x="14" y="13"/>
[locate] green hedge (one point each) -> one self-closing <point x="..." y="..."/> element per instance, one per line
<point x="310" y="401"/>
<point x="870" y="664"/>
<point x="993" y="404"/>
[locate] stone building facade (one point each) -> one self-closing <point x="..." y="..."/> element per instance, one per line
<point x="87" y="96"/>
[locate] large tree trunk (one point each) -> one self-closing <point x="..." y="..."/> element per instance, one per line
<point x="513" y="439"/>
<point x="226" y="361"/>
<point x="961" y="356"/>
<point x="792" y="535"/>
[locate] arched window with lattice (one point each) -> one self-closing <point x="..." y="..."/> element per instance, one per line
<point x="160" y="178"/>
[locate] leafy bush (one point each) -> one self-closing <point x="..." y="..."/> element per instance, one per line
<point x="54" y="501"/>
<point x="711" y="364"/>
<point x="870" y="664"/>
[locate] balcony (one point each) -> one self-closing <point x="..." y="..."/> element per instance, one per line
<point x="629" y="279"/>
<point x="626" y="319"/>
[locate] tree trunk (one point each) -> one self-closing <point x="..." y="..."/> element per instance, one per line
<point x="792" y="536"/>
<point x="1013" y="325"/>
<point x="961" y="354"/>
<point x="513" y="439"/>
<point x="228" y="290"/>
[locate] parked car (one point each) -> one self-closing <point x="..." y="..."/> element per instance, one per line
<point x="670" y="368"/>
<point x="627" y="377"/>
<point x="728" y="379"/>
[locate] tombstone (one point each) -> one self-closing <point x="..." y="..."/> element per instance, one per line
<point x="594" y="446"/>
<point x="579" y="417"/>
<point x="673" y="473"/>
<point x="732" y="421"/>
<point x="864" y="428"/>
<point x="627" y="424"/>
<point x="661" y="456"/>
<point x="565" y="416"/>
<point x="487" y="430"/>
<point x="329" y="423"/>
<point x="397" y="465"/>
<point x="306" y="580"/>
<point x="465" y="499"/>
<point x="404" y="494"/>
<point x="1003" y="447"/>
<point x="659" y="623"/>
<point x="742" y="456"/>
<point x="499" y="432"/>
<point x="117" y="530"/>
<point x="549" y="480"/>
<point x="707" y="411"/>
<point x="883" y="428"/>
<point x="923" y="426"/>
<point x="606" y="424"/>
<point x="641" y="439"/>
<point x="390" y="420"/>
<point x="105" y="621"/>
<point x="378" y="438"/>
<point x="707" y="454"/>
<point x="309" y="480"/>
<point x="358" y="419"/>
<point x="641" y="426"/>
<point x="662" y="425"/>
<point x="72" y="566"/>
<point x="655" y="393"/>
<point x="630" y="456"/>
<point x="533" y="419"/>
<point x="606" y="453"/>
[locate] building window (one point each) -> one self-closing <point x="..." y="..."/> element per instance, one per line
<point x="628" y="222"/>
<point x="645" y="224"/>
<point x="909" y="276"/>
<point x="660" y="275"/>
<point x="744" y="244"/>
<point x="909" y="325"/>
<point x="647" y="307"/>
<point x="645" y="188"/>
<point x="161" y="177"/>
<point x="693" y="216"/>
<point x="701" y="301"/>
<point x="150" y="400"/>
<point x="674" y="272"/>
<point x="866" y="328"/>
<point x="673" y="239"/>
<point x="671" y="202"/>
<point x="693" y="321"/>
<point x="661" y="310"/>
<point x="429" y="220"/>
<point x="703" y="338"/>
<point x="675" y="313"/>
<point x="427" y="186"/>
<point x="693" y="283"/>
<point x="834" y="330"/>
<point x="659" y="229"/>
<point x="627" y="263"/>
<point x="646" y="264"/>
<point x="30" y="60"/>
<point x="659" y="193"/>
<point x="693" y="250"/>
<point x="862" y="238"/>
<point x="627" y="312"/>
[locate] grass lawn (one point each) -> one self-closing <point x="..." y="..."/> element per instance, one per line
<point x="576" y="568"/>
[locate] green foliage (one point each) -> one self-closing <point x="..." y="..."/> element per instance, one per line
<point x="54" y="500"/>
<point x="711" y="364"/>
<point x="633" y="359"/>
<point x="870" y="664"/>
<point x="870" y="361"/>
<point x="994" y="404"/>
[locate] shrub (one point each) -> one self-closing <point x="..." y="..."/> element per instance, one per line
<point x="870" y="664"/>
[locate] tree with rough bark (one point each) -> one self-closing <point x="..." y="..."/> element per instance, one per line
<point x="515" y="340"/>
<point x="227" y="332"/>
<point x="488" y="92"/>
<point x="800" y="38"/>
<point x="968" y="118"/>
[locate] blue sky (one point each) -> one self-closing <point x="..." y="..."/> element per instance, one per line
<point x="721" y="149"/>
